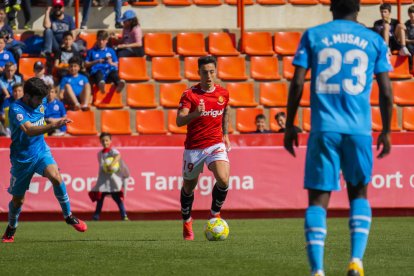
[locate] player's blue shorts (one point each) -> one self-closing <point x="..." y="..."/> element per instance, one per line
<point x="330" y="152"/>
<point x="22" y="173"/>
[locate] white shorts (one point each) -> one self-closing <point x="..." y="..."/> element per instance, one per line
<point x="194" y="159"/>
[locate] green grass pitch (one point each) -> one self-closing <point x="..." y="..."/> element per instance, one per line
<point x="254" y="247"/>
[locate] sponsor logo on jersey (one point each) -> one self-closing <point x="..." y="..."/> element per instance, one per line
<point x="213" y="113"/>
<point x="220" y="100"/>
<point x="40" y="122"/>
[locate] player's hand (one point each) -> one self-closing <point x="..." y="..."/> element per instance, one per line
<point x="291" y="137"/>
<point x="201" y="107"/>
<point x="61" y="122"/>
<point x="227" y="143"/>
<point x="384" y="140"/>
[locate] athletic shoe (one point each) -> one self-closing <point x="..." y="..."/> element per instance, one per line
<point x="78" y="224"/>
<point x="125" y="218"/>
<point x="9" y="234"/>
<point x="17" y="7"/>
<point x="27" y="26"/>
<point x="404" y="52"/>
<point x="188" y="233"/>
<point x="211" y="216"/>
<point x="318" y="273"/>
<point x="355" y="268"/>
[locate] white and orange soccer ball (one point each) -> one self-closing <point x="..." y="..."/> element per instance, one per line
<point x="107" y="162"/>
<point x="216" y="229"/>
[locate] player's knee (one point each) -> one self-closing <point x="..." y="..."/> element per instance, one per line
<point x="18" y="201"/>
<point x="55" y="178"/>
<point x="223" y="181"/>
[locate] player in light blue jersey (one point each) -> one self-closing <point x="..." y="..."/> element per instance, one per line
<point x="343" y="56"/>
<point x="29" y="154"/>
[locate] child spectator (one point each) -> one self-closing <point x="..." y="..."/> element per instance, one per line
<point x="4" y="112"/>
<point x="131" y="41"/>
<point x="391" y="30"/>
<point x="39" y="71"/>
<point x="109" y="183"/>
<point x="261" y="124"/>
<point x="5" y="56"/>
<point x="56" y="23"/>
<point x="102" y="63"/>
<point x="56" y="110"/>
<point x="7" y="80"/>
<point x="280" y="118"/>
<point x="67" y="51"/>
<point x="75" y="87"/>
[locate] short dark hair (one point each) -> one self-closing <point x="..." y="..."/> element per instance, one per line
<point x="411" y="9"/>
<point x="385" y="6"/>
<point x="102" y="34"/>
<point x="8" y="64"/>
<point x="76" y="60"/>
<point x="105" y="134"/>
<point x="206" y="60"/>
<point x="67" y="33"/>
<point x="260" y="116"/>
<point x="17" y="85"/>
<point x="279" y="114"/>
<point x="345" y="7"/>
<point x="36" y="87"/>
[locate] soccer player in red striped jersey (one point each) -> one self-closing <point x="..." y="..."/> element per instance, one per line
<point x="204" y="109"/>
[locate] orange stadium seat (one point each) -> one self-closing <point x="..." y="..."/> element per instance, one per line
<point x="191" y="44"/>
<point x="172" y="126"/>
<point x="191" y="68"/>
<point x="158" y="44"/>
<point x="286" y="43"/>
<point x="231" y="68"/>
<point x="234" y="2"/>
<point x="109" y="99"/>
<point x="142" y="3"/>
<point x="264" y="68"/>
<point x="258" y="44"/>
<point x="325" y="2"/>
<point x="166" y="69"/>
<point x="150" y="121"/>
<point x="208" y="2"/>
<point x="83" y="123"/>
<point x="374" y="98"/>
<point x="401" y="68"/>
<point x="289" y="69"/>
<point x="241" y="94"/>
<point x="115" y="121"/>
<point x="89" y="38"/>
<point x="306" y="119"/>
<point x="305" y="100"/>
<point x="376" y="119"/>
<point x="271" y="2"/>
<point x="273" y="93"/>
<point x="222" y="44"/>
<point x="303" y="2"/>
<point x="245" y="118"/>
<point x="403" y="92"/>
<point x="26" y="66"/>
<point x="371" y="2"/>
<point x="133" y="69"/>
<point x="170" y="93"/>
<point x="141" y="95"/>
<point x="396" y="1"/>
<point x="273" y="123"/>
<point x="408" y="118"/>
<point x="177" y="2"/>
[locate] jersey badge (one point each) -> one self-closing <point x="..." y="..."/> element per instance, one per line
<point x="19" y="117"/>
<point x="220" y="100"/>
<point x="42" y="109"/>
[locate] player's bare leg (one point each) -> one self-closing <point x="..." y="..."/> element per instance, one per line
<point x="221" y="171"/>
<point x="359" y="226"/>
<point x="187" y="199"/>
<point x="59" y="189"/>
<point x="15" y="207"/>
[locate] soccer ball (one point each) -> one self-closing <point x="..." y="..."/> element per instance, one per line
<point x="216" y="229"/>
<point x="107" y="162"/>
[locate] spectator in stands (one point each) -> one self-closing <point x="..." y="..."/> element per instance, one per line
<point x="56" y="23"/>
<point x="261" y="124"/>
<point x="85" y="13"/>
<point x="409" y="25"/>
<point x="87" y="5"/>
<point x="75" y="87"/>
<point x="110" y="181"/>
<point x="67" y="51"/>
<point x="7" y="80"/>
<point x="102" y="63"/>
<point x="5" y="56"/>
<point x="15" y="47"/>
<point x="17" y="94"/>
<point x="280" y="118"/>
<point x="27" y="13"/>
<point x="391" y="30"/>
<point x="56" y="110"/>
<point x="131" y="41"/>
<point x="39" y="71"/>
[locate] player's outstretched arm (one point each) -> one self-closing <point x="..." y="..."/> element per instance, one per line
<point x="295" y="94"/>
<point x="385" y="101"/>
<point x="225" y="127"/>
<point x="31" y="130"/>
